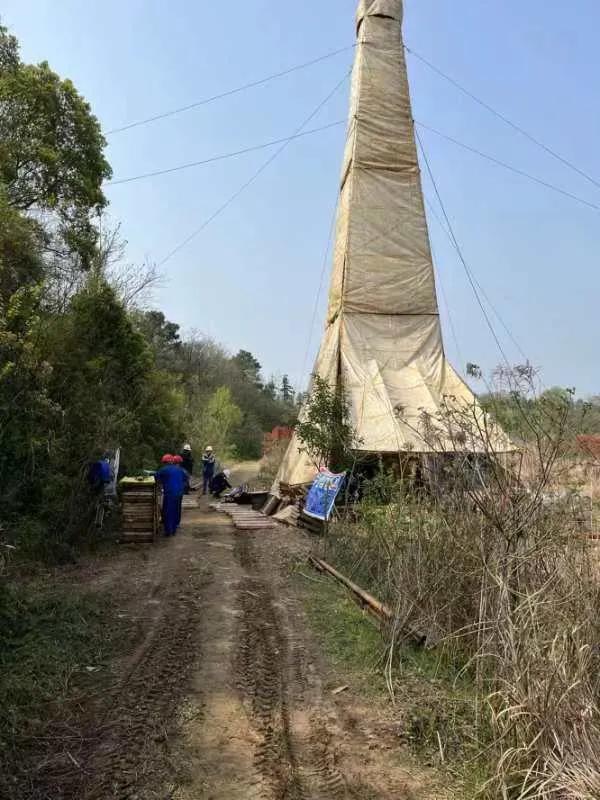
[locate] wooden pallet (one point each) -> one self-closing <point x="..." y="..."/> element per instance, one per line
<point x="244" y="517"/>
<point x="139" y="510"/>
<point x="310" y="524"/>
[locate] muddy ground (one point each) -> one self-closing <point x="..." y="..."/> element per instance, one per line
<point x="221" y="691"/>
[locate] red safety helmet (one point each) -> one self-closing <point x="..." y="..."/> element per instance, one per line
<point x="167" y="459"/>
<point x="177" y="460"/>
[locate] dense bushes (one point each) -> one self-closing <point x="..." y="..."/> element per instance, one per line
<point x="72" y="384"/>
<point x="81" y="369"/>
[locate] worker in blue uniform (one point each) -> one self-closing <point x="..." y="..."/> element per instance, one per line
<point x="178" y="461"/>
<point x="100" y="473"/>
<point x="208" y="468"/>
<point x="173" y="480"/>
<point x="220" y="482"/>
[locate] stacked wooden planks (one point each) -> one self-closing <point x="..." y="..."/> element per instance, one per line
<point x="139" y="509"/>
<point x="244" y="517"/>
<point x="288" y="515"/>
<point x="293" y="491"/>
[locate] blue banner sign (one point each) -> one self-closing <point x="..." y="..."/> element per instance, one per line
<point x="321" y="497"/>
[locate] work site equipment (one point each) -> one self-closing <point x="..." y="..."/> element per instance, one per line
<point x="139" y="509"/>
<point x="383" y="341"/>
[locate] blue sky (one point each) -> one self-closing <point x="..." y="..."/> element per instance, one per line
<point x="250" y="279"/>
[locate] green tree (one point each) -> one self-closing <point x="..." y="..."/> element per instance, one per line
<point x="110" y="394"/>
<point x="249" y="437"/>
<point x="27" y="411"/>
<point x="219" y="421"/>
<point x="287" y="390"/>
<point x="51" y="148"/>
<point x="9" y="50"/>
<point x="324" y="429"/>
<point x="21" y="244"/>
<point x="249" y="366"/>
<point x="162" y="335"/>
<point x="270" y="389"/>
<point x="522" y="413"/>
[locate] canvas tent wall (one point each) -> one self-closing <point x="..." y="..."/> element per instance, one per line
<point x="383" y="339"/>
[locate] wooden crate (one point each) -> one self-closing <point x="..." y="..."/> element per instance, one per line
<point x="139" y="509"/>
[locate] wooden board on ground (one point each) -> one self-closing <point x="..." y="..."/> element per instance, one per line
<point x="244" y="518"/>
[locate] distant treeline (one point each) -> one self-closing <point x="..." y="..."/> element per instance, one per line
<point x="517" y="409"/>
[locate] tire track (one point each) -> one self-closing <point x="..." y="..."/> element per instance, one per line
<point x="259" y="676"/>
<point x="128" y="752"/>
<point x="270" y="671"/>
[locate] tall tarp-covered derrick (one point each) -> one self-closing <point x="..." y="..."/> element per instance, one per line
<point x="383" y="340"/>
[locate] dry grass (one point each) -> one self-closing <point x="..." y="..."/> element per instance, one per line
<point x="498" y="574"/>
<point x="269" y="465"/>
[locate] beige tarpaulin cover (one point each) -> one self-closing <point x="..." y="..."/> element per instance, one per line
<point x="383" y="338"/>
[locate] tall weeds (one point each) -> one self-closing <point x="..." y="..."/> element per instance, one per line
<point x="493" y="566"/>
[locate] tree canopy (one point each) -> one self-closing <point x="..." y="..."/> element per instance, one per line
<point x="51" y="148"/>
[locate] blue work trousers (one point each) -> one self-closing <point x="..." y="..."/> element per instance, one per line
<point x="207" y="477"/>
<point x="171" y="512"/>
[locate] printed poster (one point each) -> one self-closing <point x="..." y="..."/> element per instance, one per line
<point x="321" y="497"/>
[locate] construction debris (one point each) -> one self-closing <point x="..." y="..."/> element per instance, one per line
<point x="293" y="491"/>
<point x="271" y="506"/>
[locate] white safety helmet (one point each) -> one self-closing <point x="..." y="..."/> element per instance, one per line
<point x="227" y="472"/>
<point x="209" y="449"/>
<point x="187" y="447"/>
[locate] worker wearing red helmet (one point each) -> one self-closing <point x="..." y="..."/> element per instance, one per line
<point x="173" y="480"/>
<point x="178" y="461"/>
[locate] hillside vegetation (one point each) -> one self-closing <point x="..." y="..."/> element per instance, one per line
<point x="84" y="366"/>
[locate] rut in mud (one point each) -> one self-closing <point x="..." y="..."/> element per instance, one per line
<point x="143" y="706"/>
<point x="291" y="763"/>
<point x="115" y="745"/>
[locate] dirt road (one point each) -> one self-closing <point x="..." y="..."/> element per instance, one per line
<point x="221" y="693"/>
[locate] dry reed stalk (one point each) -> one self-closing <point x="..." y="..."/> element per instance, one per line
<point x="492" y="564"/>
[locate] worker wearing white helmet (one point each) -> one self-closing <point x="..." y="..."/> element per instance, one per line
<point x="187" y="462"/>
<point x="208" y="468"/>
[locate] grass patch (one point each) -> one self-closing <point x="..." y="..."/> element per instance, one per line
<point x="349" y="639"/>
<point x="51" y="643"/>
<point x="434" y="711"/>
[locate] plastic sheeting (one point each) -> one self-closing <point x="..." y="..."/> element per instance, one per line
<point x="383" y="339"/>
